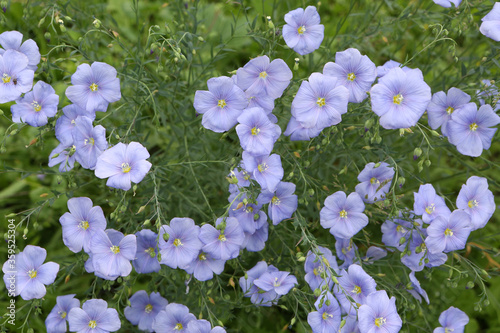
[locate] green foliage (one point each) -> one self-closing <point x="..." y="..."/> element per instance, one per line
<point x="164" y="52"/>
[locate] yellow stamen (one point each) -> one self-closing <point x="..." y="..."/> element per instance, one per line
<point x="115" y="249"/>
<point x="6" y="78"/>
<point x="255" y="131"/>
<point x="221" y="103"/>
<point x="356" y="290"/>
<point x="92" y="324"/>
<point x="178" y="326"/>
<point x="398" y="99"/>
<point x="449" y="110"/>
<point x="472" y="203"/>
<point x="262" y="167"/>
<point x="430" y="209"/>
<point x="448" y="330"/>
<point x="351" y="76"/>
<point x="177" y="242"/>
<point x="148" y="308"/>
<point x="400" y="229"/>
<point x="374" y="180"/>
<point x="276" y="283"/>
<point x="301" y="30"/>
<point x="94" y="87"/>
<point x="246" y="175"/>
<point x="126" y="168"/>
<point x="473" y="127"/>
<point x="151" y="252"/>
<point x="62" y="314"/>
<point x="89" y="141"/>
<point x="343" y="214"/>
<point x="32" y="274"/>
<point x="448" y="232"/>
<point x="321" y="102"/>
<point x="36" y="106"/>
<point x="275" y="200"/>
<point x="380" y="321"/>
<point x="202" y="256"/>
<point x="263" y="75"/>
<point x="84" y="225"/>
<point x="222" y="238"/>
<point x="326" y="315"/>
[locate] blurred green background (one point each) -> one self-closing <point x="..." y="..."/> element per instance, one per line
<point x="164" y="52"/>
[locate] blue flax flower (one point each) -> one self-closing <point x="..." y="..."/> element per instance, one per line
<point x="298" y="132"/>
<point x="326" y="318"/>
<point x="221" y="105"/>
<point x="318" y="268"/>
<point x="66" y="123"/>
<point x="144" y="308"/>
<point x="204" y="266"/>
<point x="266" y="169"/>
<point x="376" y="180"/>
<point x="13" y="40"/>
<point x="27" y="272"/>
<point x="452" y="320"/>
<point x="94" y="316"/>
<point x="379" y="314"/>
<point x="94" y="86"/>
<point x="57" y="318"/>
<point x="245" y="212"/>
<point x="37" y="106"/>
<point x="256" y="132"/>
<point x="256" y="241"/>
<point x="225" y="243"/>
<point x="16" y="77"/>
<point x="303" y="32"/>
<point x="418" y="259"/>
<point x="373" y="254"/>
<point x="394" y="230"/>
<point x="282" y="202"/>
<point x="429" y="204"/>
<point x="146" y="258"/>
<point x="477" y="200"/>
<point x="203" y="326"/>
<point x="238" y="178"/>
<point x="123" y="164"/>
<point x="487" y="92"/>
<point x="443" y="105"/>
<point x="356" y="284"/>
<point x="346" y="251"/>
<point x="320" y="101"/>
<point x="179" y="243"/>
<point x="400" y="98"/>
<point x="447" y="3"/>
<point x="469" y="129"/>
<point x="259" y="77"/>
<point x="257" y="295"/>
<point x="280" y="282"/>
<point x="354" y="71"/>
<point x="390" y="64"/>
<point x="175" y="317"/>
<point x="81" y="223"/>
<point x="448" y="233"/>
<point x="343" y="215"/>
<point x="416" y="290"/>
<point x="64" y="155"/>
<point x="89" y="142"/>
<point x="491" y="23"/>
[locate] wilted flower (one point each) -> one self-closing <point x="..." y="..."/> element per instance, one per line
<point x="37" y="106"/>
<point x="302" y="31"/>
<point x="57" y="318"/>
<point x="94" y="316"/>
<point x="144" y="308"/>
<point x="477" y="200"/>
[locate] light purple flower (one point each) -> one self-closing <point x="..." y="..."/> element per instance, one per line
<point x="182" y="245"/>
<point x="318" y="268"/>
<point x="94" y="316"/>
<point x="488" y="93"/>
<point x="89" y="142"/>
<point x="346" y="250"/>
<point x="63" y="155"/>
<point x="303" y="32"/>
<point x="282" y="202"/>
<point x="94" y="86"/>
<point x="267" y="170"/>
<point x="259" y="77"/>
<point x="204" y="266"/>
<point x="327" y="317"/>
<point x="16" y="77"/>
<point x="256" y="132"/>
<point x="416" y="290"/>
<point x="443" y="105"/>
<point x="123" y="164"/>
<point x="57" y="318"/>
<point x="146" y="258"/>
<point x="66" y="123"/>
<point x="280" y="282"/>
<point x="400" y="98"/>
<point x="13" y="40"/>
<point x="394" y="230"/>
<point x="417" y="260"/>
<point x="452" y="320"/>
<point x="469" y="129"/>
<point x="448" y="233"/>
<point x="379" y="314"/>
<point x="343" y="215"/>
<point x="477" y="200"/>
<point x="373" y="254"/>
<point x="258" y="296"/>
<point x="27" y="275"/>
<point x="246" y="214"/>
<point x="144" y="308"/>
<point x="356" y="284"/>
<point x="429" y="204"/>
<point x="203" y="326"/>
<point x="390" y="64"/>
<point x="447" y="3"/>
<point x="81" y="223"/>
<point x="238" y="178"/>
<point x="221" y="105"/>
<point x="112" y="253"/>
<point x="35" y="107"/>
<point x="320" y="101"/>
<point x="297" y="132"/>
<point x="255" y="242"/>
<point x="175" y="317"/>
<point x="224" y="242"/>
<point x="376" y="180"/>
<point x="354" y="71"/>
<point x="491" y="23"/>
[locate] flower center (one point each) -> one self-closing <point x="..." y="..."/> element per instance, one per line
<point x="472" y="203"/>
<point x="276" y="283"/>
<point x="221" y="103"/>
<point x="320" y="102"/>
<point x="301" y="30"/>
<point x="89" y="141"/>
<point x="246" y="175"/>
<point x="263" y="75"/>
<point x="92" y="324"/>
<point x="356" y="290"/>
<point x="255" y="130"/>
<point x="380" y="321"/>
<point x="62" y="314"/>
<point x="148" y="308"/>
<point x="6" y="78"/>
<point x="473" y="127"/>
<point x="448" y="330"/>
<point x="115" y="249"/>
<point x="177" y="242"/>
<point x="249" y="210"/>
<point x="351" y="76"/>
<point x="178" y="327"/>
<point x="275" y="200"/>
<point x="32" y="273"/>
<point x="398" y="99"/>
<point x="202" y="256"/>
<point x="94" y="87"/>
<point x="448" y="232"/>
<point x="343" y="214"/>
<point x="222" y="238"/>
<point x="84" y="225"/>
<point x="400" y="229"/>
<point x="125" y="167"/>
<point x="151" y="252"/>
<point x="36" y="106"/>
<point x="262" y="167"/>
<point x="449" y="110"/>
<point x="430" y="209"/>
<point x="374" y="180"/>
<point x="318" y="270"/>
<point x="326" y="315"/>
